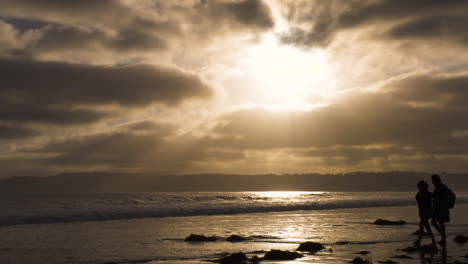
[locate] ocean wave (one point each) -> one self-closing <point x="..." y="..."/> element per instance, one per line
<point x="108" y="207"/>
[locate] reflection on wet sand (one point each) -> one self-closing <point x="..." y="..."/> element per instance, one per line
<point x="434" y="258"/>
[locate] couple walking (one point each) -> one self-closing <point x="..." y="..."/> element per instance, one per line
<point x="435" y="206"/>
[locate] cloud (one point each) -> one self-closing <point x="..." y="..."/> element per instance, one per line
<point x="447" y="28"/>
<point x="116" y="149"/>
<point x="150" y="126"/>
<point x="61" y="38"/>
<point x="416" y="122"/>
<point x="9" y="35"/>
<point x="16" y="132"/>
<point x="74" y="67"/>
<point x="446" y="91"/>
<point x="64" y="40"/>
<point x="105" y="11"/>
<point x="28" y="112"/>
<point x="79" y="88"/>
<point x="144" y="146"/>
<point x="417" y="116"/>
<point x="318" y="22"/>
<point x="62" y="93"/>
<point x="251" y="13"/>
<point x="128" y="29"/>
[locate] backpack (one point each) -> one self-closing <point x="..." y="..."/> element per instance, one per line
<point x="451" y="199"/>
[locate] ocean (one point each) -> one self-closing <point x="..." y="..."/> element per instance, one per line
<point x="151" y="227"/>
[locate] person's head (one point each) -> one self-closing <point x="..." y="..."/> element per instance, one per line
<point x="422" y="186"/>
<point x="436" y="179"/>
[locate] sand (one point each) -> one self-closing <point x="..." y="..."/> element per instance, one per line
<point x="161" y="240"/>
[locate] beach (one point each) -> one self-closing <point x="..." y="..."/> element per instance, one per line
<point x="343" y="231"/>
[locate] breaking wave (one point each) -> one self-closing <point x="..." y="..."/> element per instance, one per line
<point x="99" y="207"/>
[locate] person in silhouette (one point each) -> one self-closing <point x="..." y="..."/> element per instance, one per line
<point x="441" y="213"/>
<point x="424" y="199"/>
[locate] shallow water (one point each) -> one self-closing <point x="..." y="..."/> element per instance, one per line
<point x="160" y="239"/>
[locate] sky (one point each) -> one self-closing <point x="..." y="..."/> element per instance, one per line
<point x="233" y="86"/>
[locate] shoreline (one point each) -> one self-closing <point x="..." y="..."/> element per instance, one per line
<point x="161" y="240"/>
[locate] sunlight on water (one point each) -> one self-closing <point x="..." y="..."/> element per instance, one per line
<point x="279" y="194"/>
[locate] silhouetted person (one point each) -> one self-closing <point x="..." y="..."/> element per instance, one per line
<point x="424" y="199"/>
<point x="441" y="213"/>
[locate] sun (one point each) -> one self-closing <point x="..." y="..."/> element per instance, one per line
<point x="285" y="77"/>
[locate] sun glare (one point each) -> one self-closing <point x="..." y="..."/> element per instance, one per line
<point x="286" y="77"/>
<point x="284" y="194"/>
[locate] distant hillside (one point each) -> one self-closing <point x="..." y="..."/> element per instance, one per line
<point x="122" y="182"/>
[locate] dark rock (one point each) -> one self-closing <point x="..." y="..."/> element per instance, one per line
<point x="342" y="243"/>
<point x="200" y="238"/>
<point x="388" y="262"/>
<point x="461" y="239"/>
<point x="358" y="260"/>
<point x="422" y="249"/>
<point x="402" y="257"/>
<point x="281" y="255"/>
<point x="234" y="258"/>
<point x="364" y="252"/>
<point x="389" y="222"/>
<point x="310" y="247"/>
<point x="258" y="251"/>
<point x="330" y="250"/>
<point x="236" y="238"/>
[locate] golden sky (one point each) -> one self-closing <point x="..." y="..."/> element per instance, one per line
<point x="233" y="86"/>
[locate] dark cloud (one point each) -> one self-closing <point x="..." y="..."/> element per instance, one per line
<point x="390" y="10"/>
<point x="252" y="13"/>
<point x="111" y="26"/>
<point x="16" y="132"/>
<point x="408" y="122"/>
<point x="444" y="91"/>
<point x="415" y="122"/>
<point x="136" y="40"/>
<point x="107" y="11"/>
<point x="357" y="154"/>
<point x="87" y="26"/>
<point x="157" y="150"/>
<point x="43" y="94"/>
<point x="56" y="92"/>
<point x="27" y="112"/>
<point x="419" y="114"/>
<point x="24" y="24"/>
<point x="23" y="166"/>
<point x="116" y="149"/>
<point x="317" y="21"/>
<point x="322" y="20"/>
<point x="440" y="28"/>
<point x="61" y="38"/>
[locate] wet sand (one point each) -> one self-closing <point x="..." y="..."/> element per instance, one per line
<point x="161" y="240"/>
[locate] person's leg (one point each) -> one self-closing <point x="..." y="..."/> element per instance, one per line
<point x="429" y="231"/>
<point x="421" y="231"/>
<point x="435" y="223"/>
<point x="442" y="230"/>
<point x="440" y="226"/>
